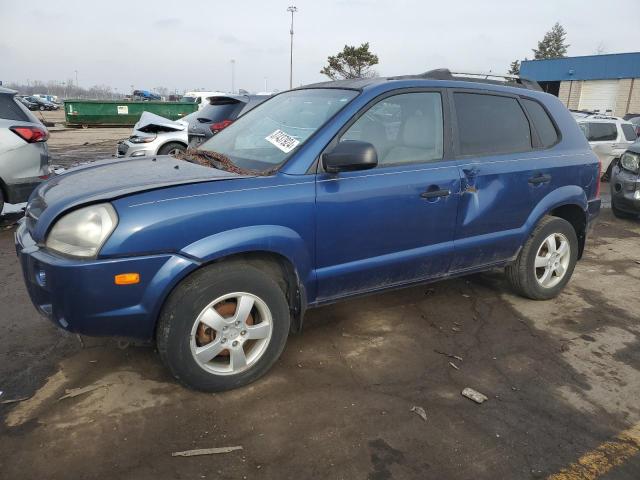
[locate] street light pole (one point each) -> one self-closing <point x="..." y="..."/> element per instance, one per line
<point x="293" y="9"/>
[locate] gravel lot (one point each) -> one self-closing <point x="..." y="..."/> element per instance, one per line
<point x="562" y="379"/>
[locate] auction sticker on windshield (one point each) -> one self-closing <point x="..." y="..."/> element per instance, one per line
<point x="282" y="140"/>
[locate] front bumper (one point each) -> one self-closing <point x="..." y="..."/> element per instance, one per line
<point x="20" y="192"/>
<point x="129" y="149"/>
<point x="81" y="296"/>
<point x="625" y="190"/>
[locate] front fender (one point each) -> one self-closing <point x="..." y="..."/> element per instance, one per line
<point x="259" y="238"/>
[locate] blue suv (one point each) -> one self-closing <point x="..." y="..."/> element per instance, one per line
<point x="320" y="193"/>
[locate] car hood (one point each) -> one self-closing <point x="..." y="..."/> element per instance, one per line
<point x="150" y="123"/>
<point x="109" y="179"/>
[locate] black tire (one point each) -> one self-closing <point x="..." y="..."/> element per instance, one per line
<point x="42" y="108"/>
<point x="522" y="273"/>
<point x="1" y="201"/>
<point x="191" y="296"/>
<point x="171" y="147"/>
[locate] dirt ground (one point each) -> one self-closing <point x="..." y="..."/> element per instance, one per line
<point x="562" y="377"/>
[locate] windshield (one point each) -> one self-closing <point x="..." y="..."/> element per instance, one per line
<point x="264" y="137"/>
<point x="189" y="99"/>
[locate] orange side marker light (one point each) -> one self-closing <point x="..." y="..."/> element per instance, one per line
<point x="127" y="278"/>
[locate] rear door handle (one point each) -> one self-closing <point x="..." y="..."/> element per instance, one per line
<point x="538" y="179"/>
<point x="436" y="193"/>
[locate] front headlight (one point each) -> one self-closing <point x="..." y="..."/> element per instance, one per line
<point x="136" y="139"/>
<point x="82" y="232"/>
<point x="630" y="161"/>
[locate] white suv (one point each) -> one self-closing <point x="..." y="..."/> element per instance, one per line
<point x="609" y="137"/>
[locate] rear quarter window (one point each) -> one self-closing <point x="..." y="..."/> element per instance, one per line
<point x="601" y="132"/>
<point x="541" y="122"/>
<point x="10" y="110"/>
<point x="490" y="124"/>
<point x="629" y="132"/>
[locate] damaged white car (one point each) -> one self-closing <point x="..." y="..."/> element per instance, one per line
<point x="155" y="135"/>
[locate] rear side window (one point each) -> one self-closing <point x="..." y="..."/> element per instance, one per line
<point x="629" y="132"/>
<point x="541" y="122"/>
<point x="491" y="124"/>
<point x="601" y="132"/>
<point x="10" y="110"/>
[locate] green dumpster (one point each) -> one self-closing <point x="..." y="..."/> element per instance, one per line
<point x="120" y="113"/>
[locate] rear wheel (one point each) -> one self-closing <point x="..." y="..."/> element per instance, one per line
<point x="171" y="149"/>
<point x="223" y="327"/>
<point x="546" y="262"/>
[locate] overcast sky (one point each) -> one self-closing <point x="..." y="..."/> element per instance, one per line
<point x="185" y="45"/>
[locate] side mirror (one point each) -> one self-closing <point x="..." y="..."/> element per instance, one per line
<point x="350" y="155"/>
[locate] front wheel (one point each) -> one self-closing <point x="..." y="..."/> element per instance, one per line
<point x="223" y="327"/>
<point x="172" y="148"/>
<point x="546" y="262"/>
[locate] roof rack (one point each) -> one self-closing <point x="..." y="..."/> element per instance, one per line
<point x="494" y="78"/>
<point x="595" y="115"/>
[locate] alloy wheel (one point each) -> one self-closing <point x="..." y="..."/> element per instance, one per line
<point x="231" y="333"/>
<point x="552" y="260"/>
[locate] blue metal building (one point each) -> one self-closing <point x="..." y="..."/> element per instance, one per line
<point x="602" y="83"/>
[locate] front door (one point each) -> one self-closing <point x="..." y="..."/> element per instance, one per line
<point x="393" y="224"/>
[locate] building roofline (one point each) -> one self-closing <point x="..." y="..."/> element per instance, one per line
<point x="580" y="56"/>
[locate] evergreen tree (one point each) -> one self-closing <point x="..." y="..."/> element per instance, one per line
<point x="553" y="44"/>
<point x="351" y="62"/>
<point x="514" y="69"/>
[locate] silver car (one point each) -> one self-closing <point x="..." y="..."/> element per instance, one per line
<point x="24" y="155"/>
<point x="155" y="135"/>
<point x="609" y="137"/>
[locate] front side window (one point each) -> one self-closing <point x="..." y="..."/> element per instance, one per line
<point x="629" y="132"/>
<point x="491" y="124"/>
<point x="404" y="128"/>
<point x="264" y="137"/>
<point x="602" y="132"/>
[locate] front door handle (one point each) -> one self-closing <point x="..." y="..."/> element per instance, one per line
<point x="436" y="193"/>
<point x="538" y="179"/>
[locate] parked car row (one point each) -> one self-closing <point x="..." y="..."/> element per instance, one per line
<point x="156" y="135"/>
<point x="33" y="102"/>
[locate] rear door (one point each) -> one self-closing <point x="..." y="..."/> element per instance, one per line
<point x="603" y="139"/>
<point x="393" y="224"/>
<point x="506" y="168"/>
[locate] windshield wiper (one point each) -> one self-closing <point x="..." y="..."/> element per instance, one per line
<point x="207" y="158"/>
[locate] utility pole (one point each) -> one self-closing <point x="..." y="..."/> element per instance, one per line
<point x="76" y="78"/>
<point x="233" y="75"/>
<point x="265" y="84"/>
<point x="293" y="9"/>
